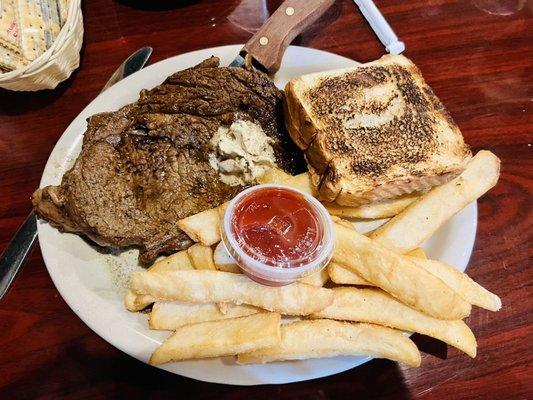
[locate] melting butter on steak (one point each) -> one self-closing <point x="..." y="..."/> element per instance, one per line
<point x="145" y="166"/>
<point x="241" y="153"/>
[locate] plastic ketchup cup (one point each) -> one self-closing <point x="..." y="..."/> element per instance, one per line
<point x="277" y="234"/>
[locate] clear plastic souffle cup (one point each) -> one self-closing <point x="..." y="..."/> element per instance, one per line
<point x="277" y="234"/>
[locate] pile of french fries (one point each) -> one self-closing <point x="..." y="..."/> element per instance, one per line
<point x="379" y="285"/>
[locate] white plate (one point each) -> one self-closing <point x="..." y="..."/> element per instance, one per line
<point x="93" y="283"/>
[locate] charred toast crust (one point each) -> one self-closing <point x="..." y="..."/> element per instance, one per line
<point x="374" y="131"/>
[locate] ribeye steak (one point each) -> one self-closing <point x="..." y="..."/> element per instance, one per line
<point x="145" y="166"/>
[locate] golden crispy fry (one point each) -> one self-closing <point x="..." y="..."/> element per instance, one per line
<point x="380" y="209"/>
<point x="398" y="275"/>
<point x="221" y="209"/>
<point x="317" y="279"/>
<point x="172" y="315"/>
<point x="433" y="209"/>
<point x="327" y="338"/>
<point x="345" y="276"/>
<point x="233" y="268"/>
<point x="223" y="261"/>
<point x="203" y="286"/>
<point x="418" y="252"/>
<point x="377" y="307"/>
<point x="137" y="302"/>
<point x="175" y="262"/>
<point x="422" y="218"/>
<point x="301" y="182"/>
<point x="274" y="176"/>
<point x="223" y="307"/>
<point x="203" y="227"/>
<point x="201" y="256"/>
<point x="343" y="222"/>
<point x="462" y="284"/>
<point x="219" y="338"/>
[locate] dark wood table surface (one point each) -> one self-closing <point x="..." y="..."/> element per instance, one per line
<point x="478" y="62"/>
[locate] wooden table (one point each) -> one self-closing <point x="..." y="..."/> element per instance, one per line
<point x="478" y="63"/>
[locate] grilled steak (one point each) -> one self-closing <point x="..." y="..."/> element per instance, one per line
<point x="145" y="166"/>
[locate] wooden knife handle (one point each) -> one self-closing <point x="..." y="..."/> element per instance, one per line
<point x="288" y="21"/>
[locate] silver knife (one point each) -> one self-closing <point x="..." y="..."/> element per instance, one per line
<point x="20" y="246"/>
<point x="265" y="49"/>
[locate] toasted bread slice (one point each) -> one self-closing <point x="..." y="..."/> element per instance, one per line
<point x="373" y="132"/>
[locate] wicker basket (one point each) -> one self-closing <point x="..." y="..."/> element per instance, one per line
<point x="57" y="63"/>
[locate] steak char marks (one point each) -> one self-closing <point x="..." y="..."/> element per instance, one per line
<point x="145" y="166"/>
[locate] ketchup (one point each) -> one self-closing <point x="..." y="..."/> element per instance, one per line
<point x="277" y="227"/>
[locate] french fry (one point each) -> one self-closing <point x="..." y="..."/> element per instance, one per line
<point x="462" y="284"/>
<point x="223" y="307"/>
<point x="219" y="338"/>
<point x="377" y="307"/>
<point x="344" y="222"/>
<point x="233" y="268"/>
<point x="203" y="227"/>
<point x="203" y="286"/>
<point x="345" y="276"/>
<point x="327" y="338"/>
<point x="380" y="209"/>
<point x="422" y="218"/>
<point x="301" y="182"/>
<point x="318" y="279"/>
<point x="418" y="253"/>
<point x="137" y="302"/>
<point x="223" y="261"/>
<point x="221" y="209"/>
<point x="177" y="261"/>
<point x="201" y="256"/>
<point x="398" y="275"/>
<point x="172" y="315"/>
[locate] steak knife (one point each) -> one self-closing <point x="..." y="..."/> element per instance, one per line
<point x="20" y="246"/>
<point x="265" y="49"/>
